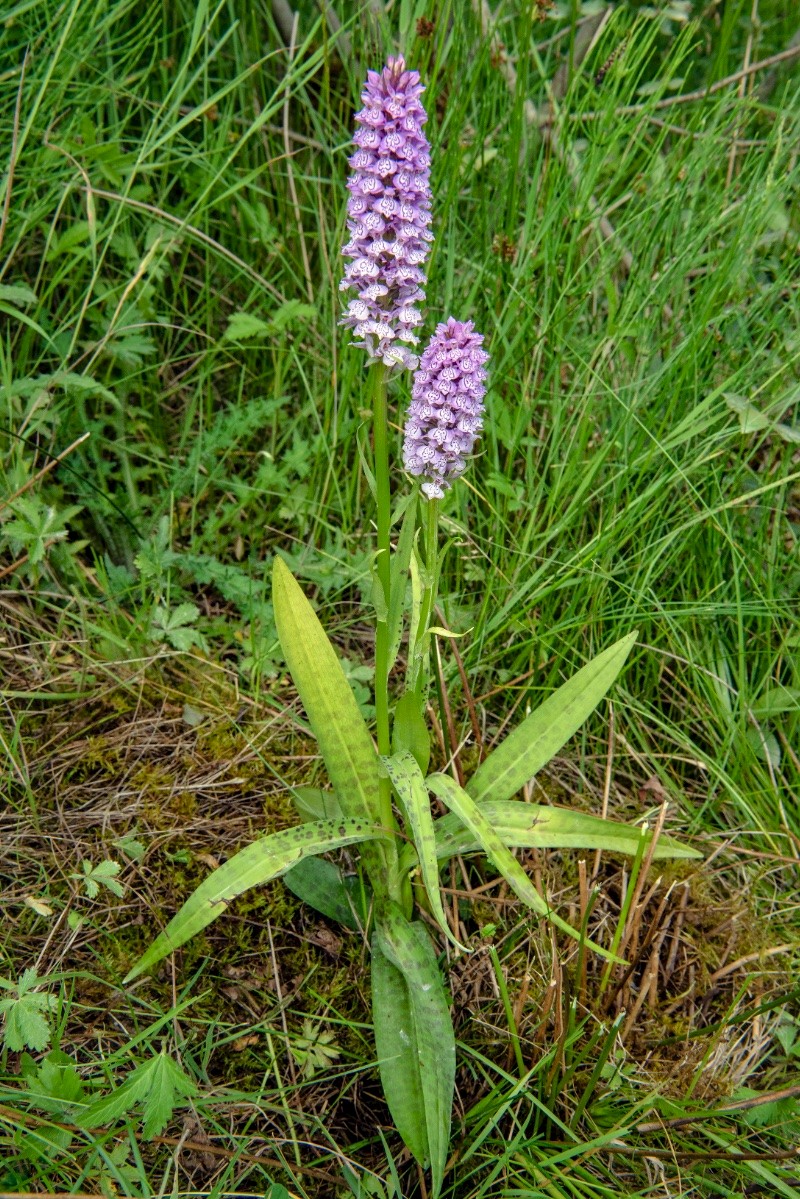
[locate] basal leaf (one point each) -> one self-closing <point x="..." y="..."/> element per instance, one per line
<point x="542" y="734"/>
<point x="531" y="826"/>
<point x="314" y="804"/>
<point x="398" y="1052"/>
<point x="321" y="884"/>
<point x="490" y="842"/>
<point x="252" y="866"/>
<point x="414" y="1038"/>
<point x="342" y="735"/>
<point x="409" y="783"/>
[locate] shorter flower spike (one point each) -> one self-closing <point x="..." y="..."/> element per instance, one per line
<point x="445" y="415"/>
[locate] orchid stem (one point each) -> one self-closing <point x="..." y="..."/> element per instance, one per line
<point x="384" y="505"/>
<point x="431" y="533"/>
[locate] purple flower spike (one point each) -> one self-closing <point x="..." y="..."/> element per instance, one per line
<point x="389" y="212"/>
<point x="445" y="415"/>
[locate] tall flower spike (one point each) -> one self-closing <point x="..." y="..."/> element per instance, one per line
<point x="389" y="213"/>
<point x="445" y="415"/>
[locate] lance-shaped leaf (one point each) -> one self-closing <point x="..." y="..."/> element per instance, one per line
<point x="490" y="842"/>
<point x="409" y="783"/>
<point x="414" y="1038"/>
<point x="342" y="735"/>
<point x="314" y="804"/>
<point x="542" y="734"/>
<point x="531" y="826"/>
<point x="343" y="898"/>
<point x="252" y="866"/>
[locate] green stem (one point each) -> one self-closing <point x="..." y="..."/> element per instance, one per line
<point x="384" y="500"/>
<point x="432" y="548"/>
<point x="380" y="435"/>
<point x="431" y="510"/>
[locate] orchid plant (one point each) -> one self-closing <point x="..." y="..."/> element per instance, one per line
<point x="380" y="787"/>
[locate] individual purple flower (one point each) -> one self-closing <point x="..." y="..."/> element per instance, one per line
<point x="445" y="415"/>
<point x="389" y="213"/>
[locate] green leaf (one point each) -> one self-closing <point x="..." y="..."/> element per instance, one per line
<point x="409" y="783"/>
<point x="182" y="615"/>
<point x="780" y="1114"/>
<point x="131" y="846"/>
<point x="252" y="866"/>
<point x="378" y="594"/>
<point x="75" y="234"/>
<point x="25" y="1023"/>
<point x="409" y="730"/>
<point x="531" y="826"/>
<point x="487" y="837"/>
<point x="291" y="311"/>
<point x="322" y="885"/>
<point x="17" y="293"/>
<point x="414" y="1038"/>
<point x="775" y="701"/>
<point x="341" y="732"/>
<point x="313" y="803"/>
<point x="315" y="1050"/>
<point x="244" y="325"/>
<point x="753" y="420"/>
<point x="104" y="874"/>
<point x="361" y="439"/>
<point x="78" y="384"/>
<point x="542" y="734"/>
<point x="158" y="1084"/>
<point x="54" y="1081"/>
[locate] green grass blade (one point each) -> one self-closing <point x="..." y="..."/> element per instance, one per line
<point x="467" y="811"/>
<point x="409" y="783"/>
<point x="252" y="866"/>
<point x="531" y="826"/>
<point x="414" y="1039"/>
<point x="342" y="735"/>
<point x="542" y="734"/>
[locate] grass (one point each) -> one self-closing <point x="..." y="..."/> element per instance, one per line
<point x="631" y="259"/>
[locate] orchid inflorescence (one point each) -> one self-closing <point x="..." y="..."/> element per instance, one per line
<point x="389" y="214"/>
